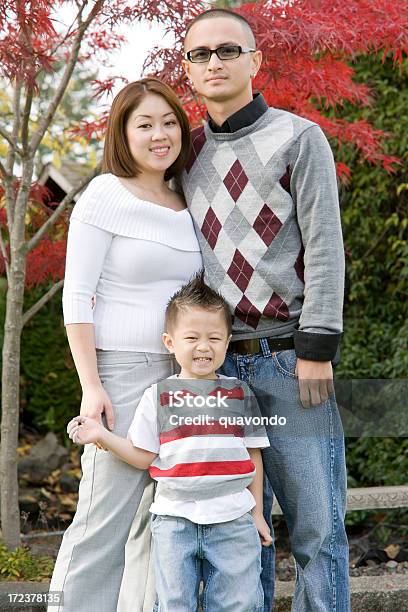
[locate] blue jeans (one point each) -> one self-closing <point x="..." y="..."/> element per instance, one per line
<point x="184" y="552"/>
<point x="306" y="469"/>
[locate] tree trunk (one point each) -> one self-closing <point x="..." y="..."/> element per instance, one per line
<point x="13" y="324"/>
<point x="10" y="512"/>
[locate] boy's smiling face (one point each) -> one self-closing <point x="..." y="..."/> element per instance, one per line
<point x="199" y="341"/>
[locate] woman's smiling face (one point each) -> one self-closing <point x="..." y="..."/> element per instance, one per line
<point x="153" y="134"/>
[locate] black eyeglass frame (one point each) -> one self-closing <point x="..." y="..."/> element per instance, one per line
<point x="240" y="50"/>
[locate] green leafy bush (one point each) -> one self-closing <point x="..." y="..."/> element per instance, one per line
<point x="19" y="564"/>
<point x="50" y="393"/>
<point x="375" y="226"/>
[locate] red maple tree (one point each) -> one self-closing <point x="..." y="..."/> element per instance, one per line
<point x="308" y="47"/>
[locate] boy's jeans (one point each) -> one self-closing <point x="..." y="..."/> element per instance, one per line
<point x="305" y="466"/>
<point x="184" y="552"/>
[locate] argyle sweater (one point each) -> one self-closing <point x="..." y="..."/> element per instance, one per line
<point x="265" y="206"/>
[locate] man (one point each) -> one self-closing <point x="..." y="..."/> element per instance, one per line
<point x="261" y="187"/>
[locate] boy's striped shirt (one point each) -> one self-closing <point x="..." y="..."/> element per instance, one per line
<point x="207" y="457"/>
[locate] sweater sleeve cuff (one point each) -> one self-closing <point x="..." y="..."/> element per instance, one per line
<point x="317" y="347"/>
<point x="77" y="308"/>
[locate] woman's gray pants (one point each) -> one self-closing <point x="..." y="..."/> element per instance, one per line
<point x="104" y="563"/>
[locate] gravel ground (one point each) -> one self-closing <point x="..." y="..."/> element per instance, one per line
<point x="285" y="567"/>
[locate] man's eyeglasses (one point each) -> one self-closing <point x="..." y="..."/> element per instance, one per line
<point x="225" y="52"/>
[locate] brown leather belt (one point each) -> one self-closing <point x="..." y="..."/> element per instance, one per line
<point x="245" y="347"/>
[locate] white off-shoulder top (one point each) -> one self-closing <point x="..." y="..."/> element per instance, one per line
<point x="131" y="255"/>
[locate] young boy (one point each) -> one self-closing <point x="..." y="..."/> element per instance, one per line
<point x="187" y="430"/>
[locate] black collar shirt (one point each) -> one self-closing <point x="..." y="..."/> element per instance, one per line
<point x="245" y="116"/>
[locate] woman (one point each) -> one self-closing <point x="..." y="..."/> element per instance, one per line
<point x="131" y="245"/>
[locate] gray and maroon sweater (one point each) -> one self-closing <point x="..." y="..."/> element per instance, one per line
<point x="264" y="202"/>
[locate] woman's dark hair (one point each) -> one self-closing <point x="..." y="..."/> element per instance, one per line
<point x="117" y="157"/>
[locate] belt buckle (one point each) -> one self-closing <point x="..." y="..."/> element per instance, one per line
<point x="251" y="345"/>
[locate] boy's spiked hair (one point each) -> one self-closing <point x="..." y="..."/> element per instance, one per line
<point x="221" y="12"/>
<point x="196" y="294"/>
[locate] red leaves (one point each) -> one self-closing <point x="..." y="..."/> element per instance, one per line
<point x="327" y="80"/>
<point x="39" y="193"/>
<point x="26" y="40"/>
<point x="106" y="86"/>
<point x="3" y="217"/>
<point x="91" y="129"/>
<point x="99" y="42"/>
<point x="307" y="26"/>
<point x="105" y="40"/>
<point x="306" y="47"/>
<point x="29" y="42"/>
<point x="46" y="262"/>
<point x="343" y="172"/>
<point x="174" y="14"/>
<point x="166" y="65"/>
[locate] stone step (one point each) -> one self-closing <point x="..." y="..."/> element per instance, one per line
<point x="370" y="498"/>
<point x="368" y="593"/>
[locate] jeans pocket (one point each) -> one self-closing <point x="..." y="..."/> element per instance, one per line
<point x="285" y="362"/>
<point x="155" y="519"/>
<point x="259" y="598"/>
<point x="246" y="518"/>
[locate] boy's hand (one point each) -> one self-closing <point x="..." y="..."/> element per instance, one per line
<point x="85" y="430"/>
<point x="263" y="529"/>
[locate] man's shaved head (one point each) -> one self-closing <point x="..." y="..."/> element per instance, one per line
<point x="224" y="13"/>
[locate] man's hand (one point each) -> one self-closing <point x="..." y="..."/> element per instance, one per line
<point x="263" y="528"/>
<point x="315" y="381"/>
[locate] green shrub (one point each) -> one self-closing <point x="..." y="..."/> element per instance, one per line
<point x="50" y="393"/>
<point x="19" y="564"/>
<point x="377" y="461"/>
<point x="375" y="225"/>
<point x="374" y="217"/>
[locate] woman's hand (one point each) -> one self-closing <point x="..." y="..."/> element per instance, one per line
<point x="263" y="528"/>
<point x="95" y="402"/>
<point x="84" y="430"/>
